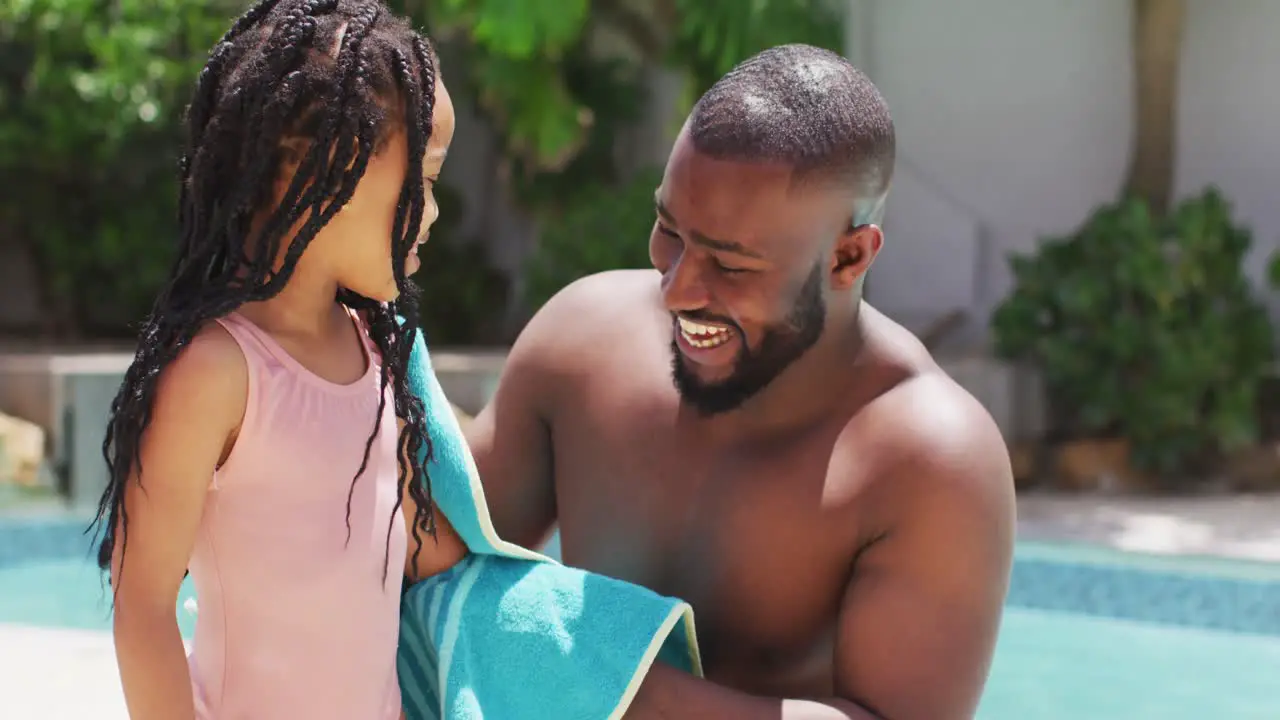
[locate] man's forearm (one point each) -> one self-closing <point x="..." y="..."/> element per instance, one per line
<point x="669" y="694"/>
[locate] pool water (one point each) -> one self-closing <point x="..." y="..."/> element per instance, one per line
<point x="1060" y="666"/>
<point x="66" y="593"/>
<point x="1049" y="664"/>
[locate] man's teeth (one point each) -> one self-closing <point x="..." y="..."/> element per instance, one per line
<point x="703" y="336"/>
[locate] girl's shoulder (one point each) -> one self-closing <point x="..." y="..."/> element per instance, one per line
<point x="213" y="358"/>
<point x="203" y="392"/>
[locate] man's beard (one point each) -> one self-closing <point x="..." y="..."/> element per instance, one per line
<point x="753" y="370"/>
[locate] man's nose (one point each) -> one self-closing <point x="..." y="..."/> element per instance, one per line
<point x="682" y="288"/>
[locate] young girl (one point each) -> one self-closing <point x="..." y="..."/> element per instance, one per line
<point x="260" y="434"/>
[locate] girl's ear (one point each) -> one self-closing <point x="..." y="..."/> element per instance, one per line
<point x="292" y="152"/>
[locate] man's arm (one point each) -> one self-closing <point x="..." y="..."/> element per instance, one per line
<point x="511" y="438"/>
<point x="670" y="694"/>
<point x="918" y="623"/>
<point x="921" y="613"/>
<point x="511" y="444"/>
<point x="425" y="556"/>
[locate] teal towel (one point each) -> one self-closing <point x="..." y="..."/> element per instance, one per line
<point x="509" y="634"/>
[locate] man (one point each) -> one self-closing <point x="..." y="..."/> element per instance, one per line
<point x="838" y="512"/>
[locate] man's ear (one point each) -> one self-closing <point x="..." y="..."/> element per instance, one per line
<point x="854" y="252"/>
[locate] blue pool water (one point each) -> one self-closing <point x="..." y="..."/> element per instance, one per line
<point x="1056" y="665"/>
<point x="1087" y="635"/>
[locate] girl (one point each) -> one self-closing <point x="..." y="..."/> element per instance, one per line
<point x="315" y="134"/>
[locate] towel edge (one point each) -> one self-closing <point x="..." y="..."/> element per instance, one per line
<point x="441" y="407"/>
<point x="678" y="612"/>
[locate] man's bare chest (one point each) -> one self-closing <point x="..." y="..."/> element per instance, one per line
<point x="754" y="540"/>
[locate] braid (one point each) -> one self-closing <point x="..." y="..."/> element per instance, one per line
<point x="204" y="99"/>
<point x="332" y="73"/>
<point x="419" y="90"/>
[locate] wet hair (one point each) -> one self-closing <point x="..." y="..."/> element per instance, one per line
<point x="342" y="76"/>
<point x="803" y="106"/>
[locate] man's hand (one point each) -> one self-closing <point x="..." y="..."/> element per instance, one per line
<point x="670" y="694"/>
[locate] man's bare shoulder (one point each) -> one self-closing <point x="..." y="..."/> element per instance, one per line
<point x="930" y="416"/>
<point x="610" y="292"/>
<point x="589" y="318"/>
<point x="924" y="435"/>
<point x="934" y="542"/>
<point x="940" y="450"/>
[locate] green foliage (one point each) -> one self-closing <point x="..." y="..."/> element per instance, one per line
<point x="1273" y="271"/>
<point x="522" y="56"/>
<point x="613" y="97"/>
<point x="604" y="228"/>
<point x="714" y="35"/>
<point x="560" y="102"/>
<point x="1145" y="328"/>
<point x="513" y="52"/>
<point x="91" y="95"/>
<point x="519" y="28"/>
<point x="463" y="294"/>
<point x="89" y="91"/>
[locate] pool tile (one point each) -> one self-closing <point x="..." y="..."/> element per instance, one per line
<point x="1219" y="603"/>
<point x="27" y="539"/>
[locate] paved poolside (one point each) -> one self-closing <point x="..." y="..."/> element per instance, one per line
<point x="59" y="674"/>
<point x="55" y="674"/>
<point x="1240" y="527"/>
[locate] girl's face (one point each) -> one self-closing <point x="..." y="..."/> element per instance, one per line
<point x="355" y="247"/>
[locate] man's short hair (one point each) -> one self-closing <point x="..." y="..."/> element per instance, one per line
<point x="803" y="106"/>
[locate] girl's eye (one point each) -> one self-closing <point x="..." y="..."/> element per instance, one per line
<point x="729" y="270"/>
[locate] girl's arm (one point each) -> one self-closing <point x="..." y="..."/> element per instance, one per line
<point x="199" y="402"/>
<point x="437" y="555"/>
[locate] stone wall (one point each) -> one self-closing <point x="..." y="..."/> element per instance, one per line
<point x="68" y="397"/>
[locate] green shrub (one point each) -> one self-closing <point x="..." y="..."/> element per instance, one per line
<point x="600" y="228"/>
<point x="92" y="93"/>
<point x="464" y="296"/>
<point x="1147" y="329"/>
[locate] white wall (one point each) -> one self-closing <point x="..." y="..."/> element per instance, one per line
<point x="1014" y="121"/>
<point x="1229" y="119"/>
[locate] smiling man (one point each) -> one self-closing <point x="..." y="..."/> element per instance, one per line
<point x="739" y="429"/>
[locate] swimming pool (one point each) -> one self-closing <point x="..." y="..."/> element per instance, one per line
<point x="1087" y="634"/>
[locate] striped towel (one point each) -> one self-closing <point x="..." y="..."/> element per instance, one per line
<point x="510" y="634"/>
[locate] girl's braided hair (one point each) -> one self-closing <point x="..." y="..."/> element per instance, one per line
<point x="341" y="75"/>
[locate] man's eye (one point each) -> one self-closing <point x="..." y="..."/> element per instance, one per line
<point x="730" y="270"/>
<point x="667" y="231"/>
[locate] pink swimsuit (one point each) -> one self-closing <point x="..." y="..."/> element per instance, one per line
<point x="295" y="622"/>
